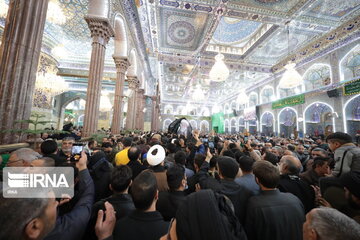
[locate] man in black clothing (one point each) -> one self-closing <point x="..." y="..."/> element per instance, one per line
<point x="144" y="222"/>
<point x="66" y="147"/>
<point x="169" y="201"/>
<point x="120" y="200"/>
<point x="134" y="154"/>
<point x="320" y="168"/>
<point x="290" y="182"/>
<point x="273" y="215"/>
<point x="49" y="149"/>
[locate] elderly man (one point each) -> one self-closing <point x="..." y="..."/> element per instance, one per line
<point x="290" y="182"/>
<point x="66" y="147"/>
<point x="22" y="157"/>
<point x="329" y="224"/>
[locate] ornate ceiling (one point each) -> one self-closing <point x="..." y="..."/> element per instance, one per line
<point x="182" y="38"/>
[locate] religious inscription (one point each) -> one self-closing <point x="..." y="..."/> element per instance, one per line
<point x="352" y="87"/>
<point x="290" y="101"/>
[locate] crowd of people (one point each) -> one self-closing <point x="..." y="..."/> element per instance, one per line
<point x="203" y="186"/>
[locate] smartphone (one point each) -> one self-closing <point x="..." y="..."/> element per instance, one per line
<point x="211" y="145"/>
<point x="76" y="149"/>
<point x="246" y="139"/>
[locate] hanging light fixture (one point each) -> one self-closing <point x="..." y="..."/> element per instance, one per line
<point x="3" y="9"/>
<point x="48" y="82"/>
<point x="291" y="78"/>
<point x="219" y="72"/>
<point x="198" y="94"/>
<point x="242" y="98"/>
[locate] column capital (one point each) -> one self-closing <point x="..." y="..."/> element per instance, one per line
<point x="100" y="28"/>
<point x="122" y="63"/>
<point x="141" y="91"/>
<point x="133" y="82"/>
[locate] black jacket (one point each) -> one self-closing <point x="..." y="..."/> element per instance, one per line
<point x="123" y="206"/>
<point x="169" y="202"/>
<point x="136" y="168"/>
<point x="274" y="215"/>
<point x="141" y="225"/>
<point x="293" y="184"/>
<point x="72" y="225"/>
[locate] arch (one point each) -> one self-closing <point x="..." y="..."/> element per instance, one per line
<point x="226" y="109"/>
<point x="226" y="125"/>
<point x="351" y="115"/>
<point x="253" y="99"/>
<point x="132" y="70"/>
<point x="318" y="75"/>
<point x="181" y="110"/>
<point x="267" y="123"/>
<point x="267" y="94"/>
<point x="121" y="40"/>
<point x="233" y="106"/>
<point x="193" y="124"/>
<point x="168" y="109"/>
<point x="204" y="126"/>
<point x="349" y="70"/>
<point x="316" y="118"/>
<point x="99" y="8"/>
<point x="166" y="124"/>
<point x="286" y="119"/>
<point x="205" y="112"/>
<point x="233" y="126"/>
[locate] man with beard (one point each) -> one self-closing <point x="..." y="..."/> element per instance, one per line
<point x="66" y="147"/>
<point x="351" y="182"/>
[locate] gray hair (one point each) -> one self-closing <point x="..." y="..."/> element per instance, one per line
<point x="68" y="139"/>
<point x="330" y="224"/>
<point x="20" y="212"/>
<point x="26" y="154"/>
<point x="290" y="162"/>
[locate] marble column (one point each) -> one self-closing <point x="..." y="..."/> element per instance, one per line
<point x="19" y="57"/>
<point x="131" y="111"/>
<point x="153" y="114"/>
<point x="121" y="66"/>
<point x="101" y="31"/>
<point x="140" y="110"/>
<point x="335" y="69"/>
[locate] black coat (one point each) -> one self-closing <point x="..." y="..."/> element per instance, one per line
<point x="169" y="202"/>
<point x="274" y="215"/>
<point x="293" y="184"/>
<point x="123" y="206"/>
<point x="136" y="168"/>
<point x="141" y="225"/>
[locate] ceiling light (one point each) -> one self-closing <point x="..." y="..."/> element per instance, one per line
<point x="3" y="9"/>
<point x="219" y="72"/>
<point x="198" y="93"/>
<point x="55" y="13"/>
<point x="242" y="98"/>
<point x="291" y="78"/>
<point x="59" y="51"/>
<point x="50" y="83"/>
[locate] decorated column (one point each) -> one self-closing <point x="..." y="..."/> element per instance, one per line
<point x="121" y="66"/>
<point x="19" y="57"/>
<point x="140" y="109"/>
<point x="131" y="110"/>
<point x="101" y="31"/>
<point x="154" y="117"/>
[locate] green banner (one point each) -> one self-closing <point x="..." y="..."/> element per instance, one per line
<point x="290" y="101"/>
<point x="352" y="87"/>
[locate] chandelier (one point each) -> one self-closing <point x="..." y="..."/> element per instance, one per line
<point x="242" y="98"/>
<point x="3" y="9"/>
<point x="291" y="78"/>
<point x="55" y="14"/>
<point x="49" y="83"/>
<point x="219" y="72"/>
<point x="198" y="94"/>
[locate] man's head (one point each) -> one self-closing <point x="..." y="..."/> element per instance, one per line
<point x="49" y="147"/>
<point x="67" y="144"/>
<point x="127" y="141"/>
<point x="120" y="178"/>
<point x="180" y="157"/>
<point x="246" y="164"/>
<point x="318" y="152"/>
<point x="351" y="183"/>
<point x="92" y="144"/>
<point x="43" y="162"/>
<point x="27" y="218"/>
<point x="176" y="178"/>
<point x="336" y="140"/>
<point x="289" y="165"/>
<point x="300" y="149"/>
<point x="198" y="161"/>
<point x="270" y="157"/>
<point x="134" y="153"/>
<point x="22" y="157"/>
<point x="107" y="147"/>
<point x="278" y="151"/>
<point x="171" y="148"/>
<point x="144" y="190"/>
<point x="228" y="167"/>
<point x="266" y="174"/>
<point x="291" y="147"/>
<point x="321" y="166"/>
<point x="330" y="224"/>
